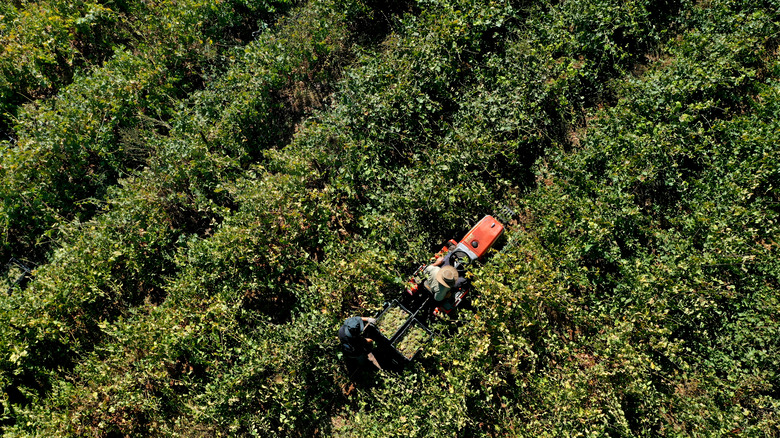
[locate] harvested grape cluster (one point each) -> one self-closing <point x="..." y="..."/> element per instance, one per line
<point x="392" y="320"/>
<point x="412" y="340"/>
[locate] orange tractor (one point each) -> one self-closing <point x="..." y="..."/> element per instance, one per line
<point x="459" y="255"/>
<point x="400" y="328"/>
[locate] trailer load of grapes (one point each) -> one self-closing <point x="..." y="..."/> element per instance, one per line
<point x="412" y="340"/>
<point x="392" y="320"/>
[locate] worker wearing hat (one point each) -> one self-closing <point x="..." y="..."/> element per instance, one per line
<point x="440" y="280"/>
<point x="353" y="342"/>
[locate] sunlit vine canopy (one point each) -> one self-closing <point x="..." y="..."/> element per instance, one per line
<point x="206" y="190"/>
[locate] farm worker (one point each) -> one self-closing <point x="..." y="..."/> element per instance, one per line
<point x="440" y="279"/>
<point x="353" y="343"/>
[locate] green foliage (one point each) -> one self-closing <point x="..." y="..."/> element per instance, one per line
<point x="211" y="188"/>
<point x="47" y="42"/>
<point x="103" y="268"/>
<point x="99" y="126"/>
<point x="69" y="149"/>
<point x="44" y="43"/>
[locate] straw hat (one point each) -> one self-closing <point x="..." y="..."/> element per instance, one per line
<point x="447" y="276"/>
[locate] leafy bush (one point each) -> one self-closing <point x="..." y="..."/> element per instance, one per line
<point x="45" y="43"/>
<point x="73" y="147"/>
<point x="243" y="199"/>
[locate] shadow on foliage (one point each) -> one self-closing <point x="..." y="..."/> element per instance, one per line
<point x="371" y="29"/>
<point x="278" y="304"/>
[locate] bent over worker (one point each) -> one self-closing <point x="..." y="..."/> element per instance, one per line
<point x="353" y="344"/>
